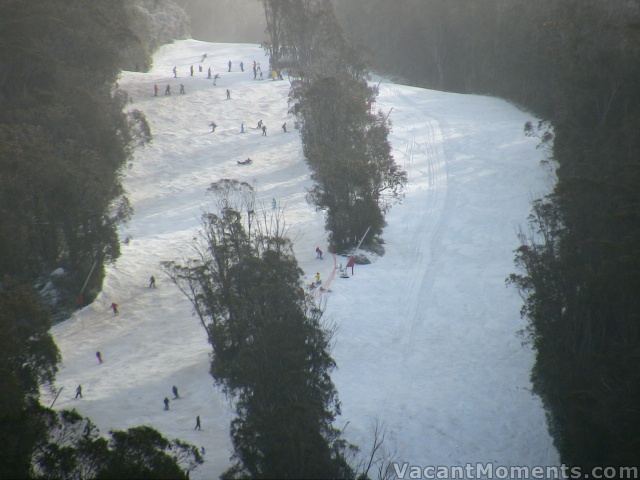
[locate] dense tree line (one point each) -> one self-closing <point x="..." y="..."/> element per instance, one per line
<point x="575" y="64"/>
<point x="64" y="137"/>
<point x="270" y="349"/>
<point x="345" y="144"/>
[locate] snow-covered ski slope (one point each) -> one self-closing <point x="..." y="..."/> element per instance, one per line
<point x="426" y="341"/>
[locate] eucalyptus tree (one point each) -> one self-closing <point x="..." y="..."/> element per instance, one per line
<point x="270" y="349"/>
<point x="346" y="145"/>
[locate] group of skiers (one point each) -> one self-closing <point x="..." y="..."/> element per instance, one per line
<point x="256" y="70"/>
<point x="257" y="73"/>
<point x="167" y="402"/>
<point x="261" y="126"/>
<point x="174" y="389"/>
<point x="167" y="90"/>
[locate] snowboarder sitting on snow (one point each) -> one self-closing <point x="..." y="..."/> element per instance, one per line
<point x="318" y="253"/>
<point x="248" y="161"/>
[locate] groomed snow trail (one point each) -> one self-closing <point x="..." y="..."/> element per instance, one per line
<point x="445" y="372"/>
<point x="426" y="341"/>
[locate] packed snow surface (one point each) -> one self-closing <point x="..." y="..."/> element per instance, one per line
<point x="427" y="342"/>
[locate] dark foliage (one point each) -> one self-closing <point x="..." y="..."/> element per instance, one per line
<point x="346" y="147"/>
<point x="270" y="349"/>
<point x="76" y="450"/>
<point x="63" y="139"/>
<point x="28" y="357"/>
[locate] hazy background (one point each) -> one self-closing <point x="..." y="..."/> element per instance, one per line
<point x="226" y="20"/>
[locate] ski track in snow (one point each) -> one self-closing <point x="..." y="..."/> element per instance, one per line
<point x="426" y="338"/>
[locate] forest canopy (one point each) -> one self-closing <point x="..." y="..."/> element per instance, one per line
<point x="65" y="136"/>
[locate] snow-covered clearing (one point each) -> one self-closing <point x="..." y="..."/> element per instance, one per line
<point x="427" y="340"/>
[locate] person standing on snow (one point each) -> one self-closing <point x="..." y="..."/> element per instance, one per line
<point x="228" y="94"/>
<point x="318" y="253"/>
<point x="264" y="130"/>
<point x="152" y="282"/>
<point x="241" y="66"/>
<point x="242" y="128"/>
<point x="182" y="88"/>
<point x="155" y="90"/>
<point x="229" y="66"/>
<point x="318" y="280"/>
<point x="167" y="91"/>
<point x="192" y="70"/>
<point x="166" y="403"/>
<point x="213" y="127"/>
<point x="209" y="73"/>
<point x="284" y="127"/>
<point x="198" y="427"/>
<point x="99" y="356"/>
<point x="114" y="307"/>
<point x="175" y="392"/>
<point x="79" y="391"/>
<point x="175" y="72"/>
